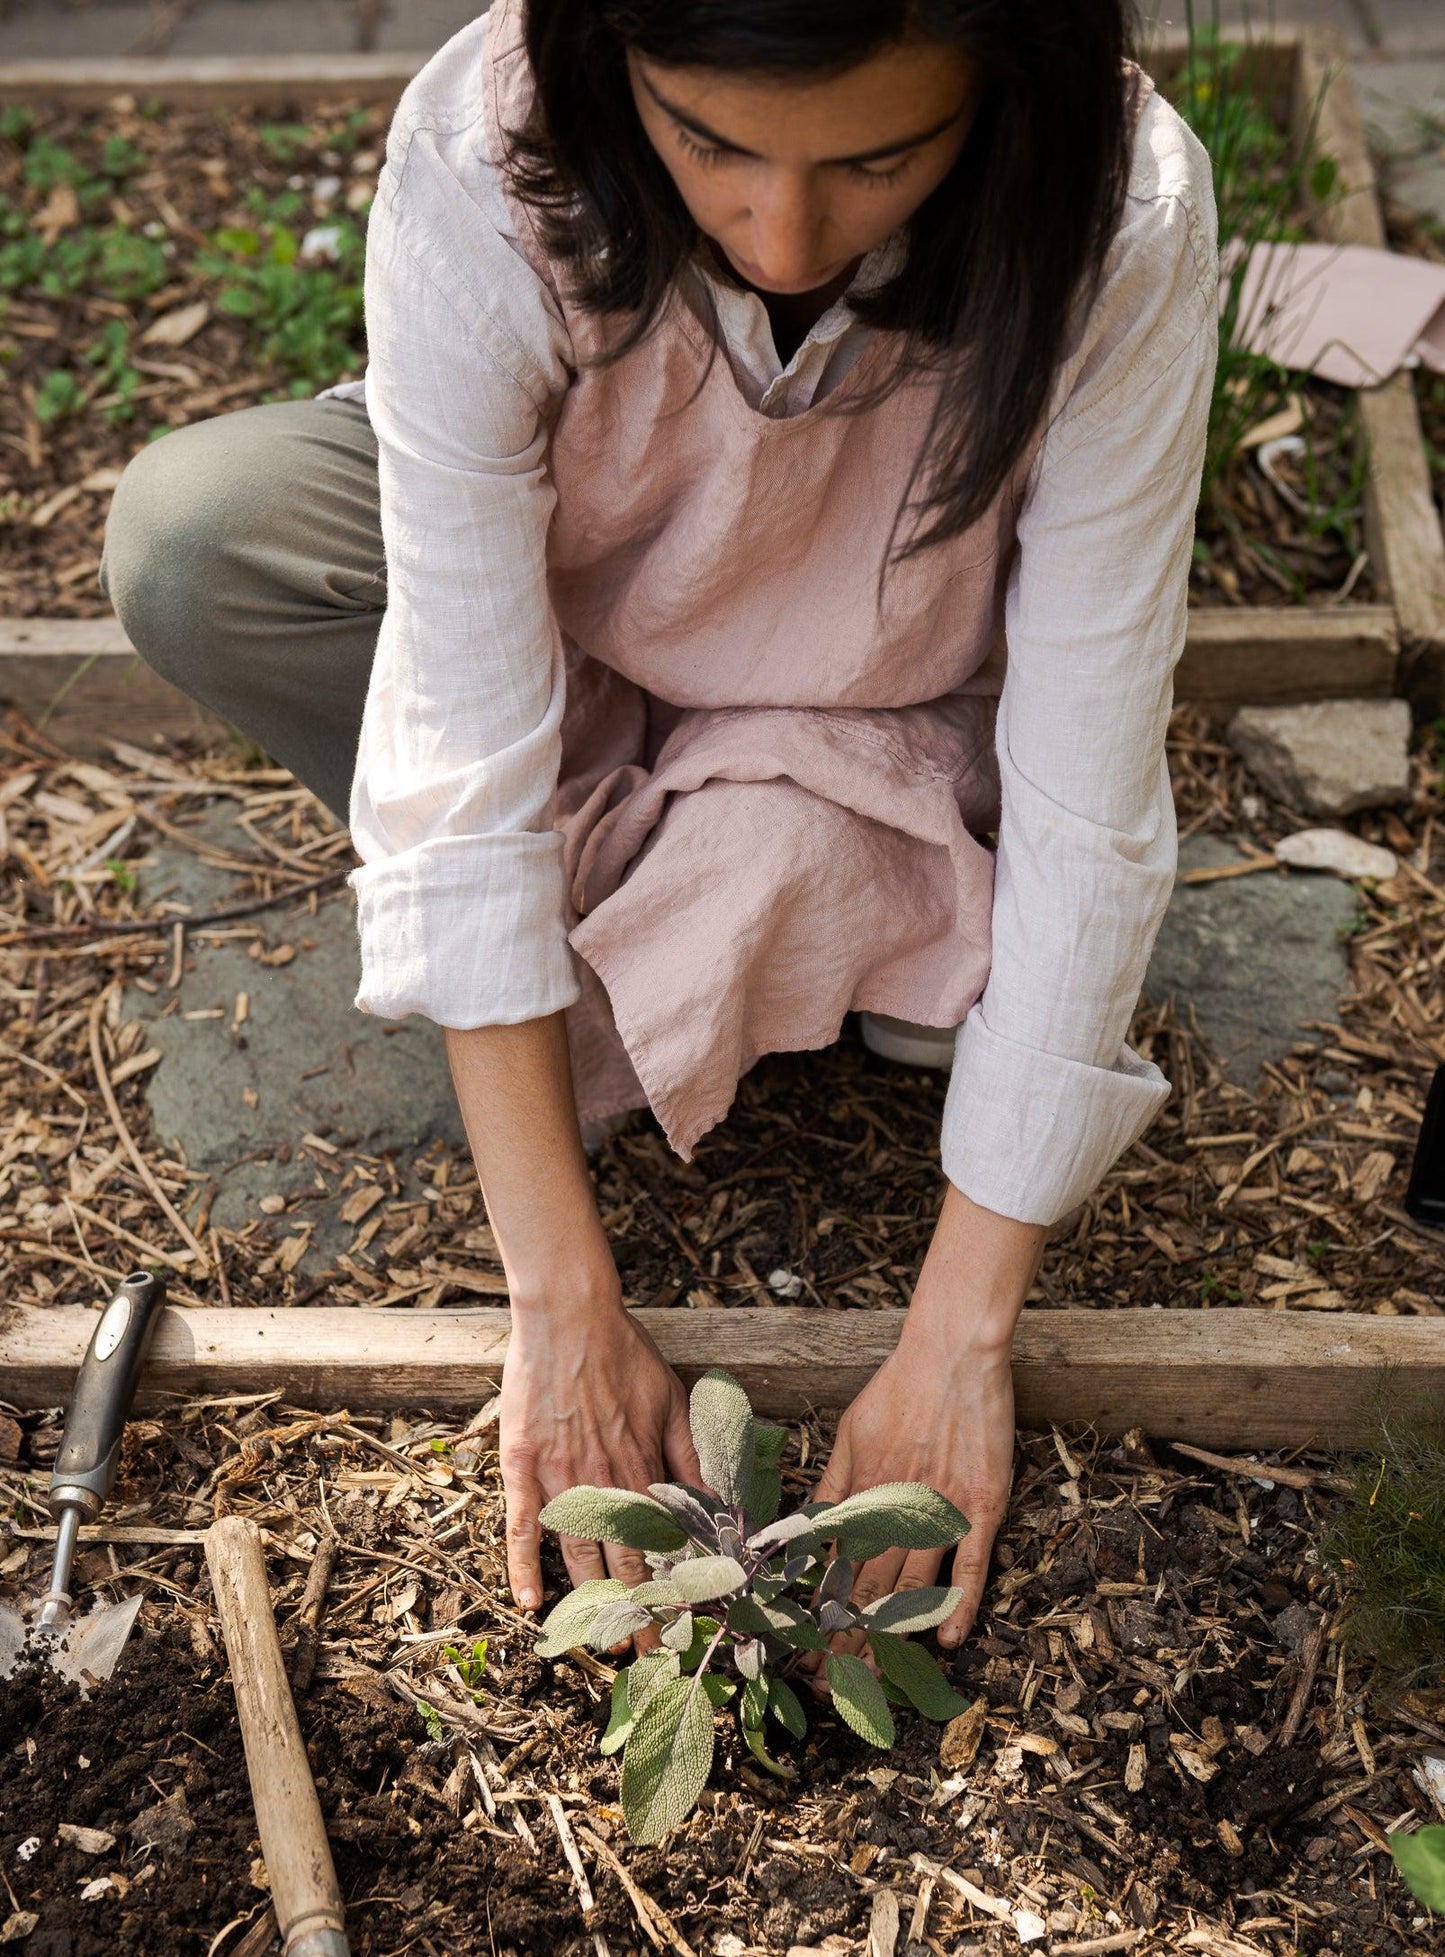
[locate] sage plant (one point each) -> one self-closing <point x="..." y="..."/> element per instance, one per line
<point x="734" y="1590"/>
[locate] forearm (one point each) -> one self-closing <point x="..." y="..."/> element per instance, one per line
<point x="514" y="1088"/>
<point x="977" y="1273"/>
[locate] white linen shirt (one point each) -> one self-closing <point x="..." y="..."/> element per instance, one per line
<point x="460" y="891"/>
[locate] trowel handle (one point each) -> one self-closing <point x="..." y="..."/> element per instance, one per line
<point x="84" y="1471"/>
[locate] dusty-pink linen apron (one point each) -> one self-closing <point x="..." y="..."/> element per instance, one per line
<point x="773" y="790"/>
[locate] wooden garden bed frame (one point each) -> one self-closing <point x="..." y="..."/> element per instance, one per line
<point x="1222" y="1378"/>
<point x="1254" y="654"/>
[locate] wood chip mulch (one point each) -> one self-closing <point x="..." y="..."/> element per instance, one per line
<point x="1165" y="1751"/>
<point x="821" y="1186"/>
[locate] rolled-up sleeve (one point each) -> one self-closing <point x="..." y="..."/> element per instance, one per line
<point x="1046" y="1093"/>
<point x="460" y="892"/>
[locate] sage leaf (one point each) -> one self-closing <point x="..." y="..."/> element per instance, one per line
<point x="702" y="1578"/>
<point x="786" y="1707"/>
<point x="724" y="1434"/>
<point x="685" y="1509"/>
<point x="912" y="1610"/>
<point x="915" y="1673"/>
<point x="802" y="1522"/>
<point x="667" y="1759"/>
<point x="755" y="1701"/>
<point x="616" y="1622"/>
<point x="896" y="1515"/>
<point x="648" y="1674"/>
<point x="613" y="1515"/>
<point x="679" y="1634"/>
<point x="620" y="1720"/>
<point x="757" y="1746"/>
<point x="750" y="1657"/>
<point x="837" y="1584"/>
<point x="860" y="1699"/>
<point x="765" y="1484"/>
<point x="661" y="1592"/>
<point x="1420" y="1858"/>
<point x="834" y="1617"/>
<point x="718" y="1689"/>
<point x="567" y="1625"/>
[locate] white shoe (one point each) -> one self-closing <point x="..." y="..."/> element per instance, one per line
<point x="911" y="1045"/>
<point x="595" y="1133"/>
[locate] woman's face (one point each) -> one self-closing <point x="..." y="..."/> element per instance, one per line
<point x="794" y="180"/>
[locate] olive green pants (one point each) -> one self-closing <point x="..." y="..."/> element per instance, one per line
<point x="244" y="557"/>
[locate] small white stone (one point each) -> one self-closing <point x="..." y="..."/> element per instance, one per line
<point x="785" y="1283"/>
<point x="90" y="1841"/>
<point x="1029" y="1926"/>
<point x="326" y="189"/>
<point x="27" y="1848"/>
<point x="321" y="245"/>
<point x="1338" y="851"/>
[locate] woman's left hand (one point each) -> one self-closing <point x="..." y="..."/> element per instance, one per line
<point x="942" y="1412"/>
<point x="940" y="1409"/>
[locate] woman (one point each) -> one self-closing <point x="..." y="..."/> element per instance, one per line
<point x="775" y="473"/>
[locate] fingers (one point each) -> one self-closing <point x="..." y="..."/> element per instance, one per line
<point x="836" y="1480"/>
<point x="523" y="1495"/>
<point x="583" y="1560"/>
<point x="679" y="1454"/>
<point x="970" y="1573"/>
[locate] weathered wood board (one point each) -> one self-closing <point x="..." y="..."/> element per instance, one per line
<point x="1228" y="1377"/>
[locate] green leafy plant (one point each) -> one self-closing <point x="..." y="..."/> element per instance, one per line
<point x="732" y="1586"/>
<point x="58" y="396"/>
<point x="1420" y="1858"/>
<point x="1385" y="1540"/>
<point x="432" y="1720"/>
<point x="1262" y="183"/>
<point x="471" y="1665"/>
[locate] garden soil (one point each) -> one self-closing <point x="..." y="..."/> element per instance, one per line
<point x="1165" y="1739"/>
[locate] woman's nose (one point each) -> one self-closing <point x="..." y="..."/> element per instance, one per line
<point x="787" y="227"/>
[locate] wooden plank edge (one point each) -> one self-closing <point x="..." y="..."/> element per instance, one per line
<point x="1264" y="655"/>
<point x="219" y="80"/>
<point x="81" y="684"/>
<point x="1402" y="528"/>
<point x="1236" y="1377"/>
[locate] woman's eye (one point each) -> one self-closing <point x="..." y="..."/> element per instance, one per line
<point x="703" y="152"/>
<point x="872" y="173"/>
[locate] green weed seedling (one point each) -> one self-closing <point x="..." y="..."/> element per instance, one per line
<point x="733" y="1586"/>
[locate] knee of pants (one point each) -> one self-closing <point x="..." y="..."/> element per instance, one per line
<point x="164" y="539"/>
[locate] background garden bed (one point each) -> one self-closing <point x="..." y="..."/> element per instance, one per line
<point x="186" y="195"/>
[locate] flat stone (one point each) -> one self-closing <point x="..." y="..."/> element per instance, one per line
<point x="1254" y="956"/>
<point x="235" y="1099"/>
<point x="1328" y="757"/>
<point x="1337" y="851"/>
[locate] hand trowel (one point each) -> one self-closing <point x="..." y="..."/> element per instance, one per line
<point x="86" y="1649"/>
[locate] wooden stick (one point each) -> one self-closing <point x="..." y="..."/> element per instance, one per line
<point x="304" y="1888"/>
<point x="308" y="1618"/>
<point x="123" y="1134"/>
<point x="1240" y="1377"/>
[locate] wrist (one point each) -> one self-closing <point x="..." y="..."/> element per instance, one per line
<point x="979" y="1269"/>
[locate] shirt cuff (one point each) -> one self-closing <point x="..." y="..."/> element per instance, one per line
<point x="468" y="931"/>
<point x="1032" y="1134"/>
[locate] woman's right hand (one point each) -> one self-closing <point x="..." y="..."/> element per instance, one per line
<point x="586" y="1397"/>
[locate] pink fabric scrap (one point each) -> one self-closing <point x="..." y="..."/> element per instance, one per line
<point x="1349" y="313"/>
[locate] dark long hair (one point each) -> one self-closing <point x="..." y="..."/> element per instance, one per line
<point x="997" y="254"/>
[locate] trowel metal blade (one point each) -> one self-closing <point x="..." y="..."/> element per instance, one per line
<point x="12" y="1641"/>
<point x="92" y="1646"/>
